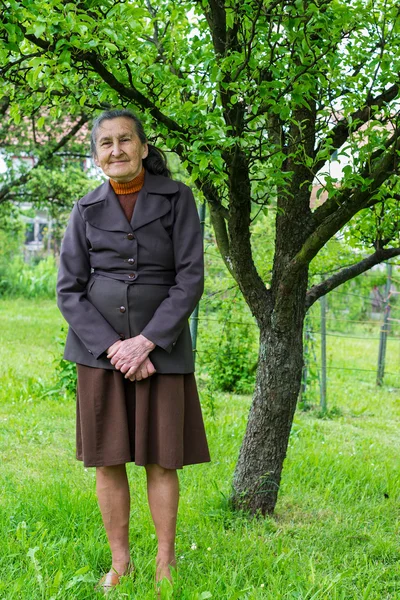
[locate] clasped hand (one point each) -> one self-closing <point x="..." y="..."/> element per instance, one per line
<point x="131" y="357"/>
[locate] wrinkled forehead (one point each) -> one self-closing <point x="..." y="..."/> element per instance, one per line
<point x="118" y="127"/>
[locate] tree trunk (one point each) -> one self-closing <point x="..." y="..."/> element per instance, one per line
<point x="259" y="467"/>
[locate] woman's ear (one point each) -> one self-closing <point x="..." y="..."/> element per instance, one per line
<point x="145" y="151"/>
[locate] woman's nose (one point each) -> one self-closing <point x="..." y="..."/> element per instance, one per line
<point x="116" y="150"/>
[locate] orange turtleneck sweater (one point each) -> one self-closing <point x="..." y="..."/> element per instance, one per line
<point x="127" y="193"/>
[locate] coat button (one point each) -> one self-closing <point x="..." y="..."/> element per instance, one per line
<point x="132" y="276"/>
<point x="131" y="261"/>
<point x="130" y="236"/>
<point x="121" y="335"/>
<point x="122" y="309"/>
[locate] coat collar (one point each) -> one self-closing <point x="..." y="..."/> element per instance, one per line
<point x="102" y="209"/>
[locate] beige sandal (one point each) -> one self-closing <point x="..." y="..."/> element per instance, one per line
<point x="111" y="579"/>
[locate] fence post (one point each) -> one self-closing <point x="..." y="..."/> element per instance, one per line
<point x="306" y="358"/>
<point x="323" y="354"/>
<point x="384" y="328"/>
<point x="304" y="374"/>
<point x="194" y="319"/>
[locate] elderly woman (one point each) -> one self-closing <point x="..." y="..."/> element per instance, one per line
<point x="131" y="273"/>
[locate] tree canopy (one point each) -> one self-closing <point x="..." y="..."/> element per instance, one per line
<point x="254" y="96"/>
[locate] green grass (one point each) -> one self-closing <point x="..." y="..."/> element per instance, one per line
<point x="335" y="534"/>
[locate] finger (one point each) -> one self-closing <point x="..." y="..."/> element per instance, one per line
<point x="114" y="358"/>
<point x="119" y="357"/>
<point x="131" y="373"/>
<point x="131" y="361"/>
<point x="119" y="362"/>
<point x="112" y="350"/>
<point x="115" y="345"/>
<point x="151" y="370"/>
<point x="143" y="371"/>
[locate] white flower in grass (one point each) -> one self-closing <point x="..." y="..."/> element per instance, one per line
<point x="193" y="546"/>
<point x="262" y="585"/>
<point x="209" y="549"/>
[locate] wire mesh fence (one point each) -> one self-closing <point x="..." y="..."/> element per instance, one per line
<point x="355" y="330"/>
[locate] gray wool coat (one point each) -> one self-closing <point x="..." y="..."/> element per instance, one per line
<point x="118" y="279"/>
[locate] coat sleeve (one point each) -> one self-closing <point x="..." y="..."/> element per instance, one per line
<point x="73" y="275"/>
<point x="170" y="317"/>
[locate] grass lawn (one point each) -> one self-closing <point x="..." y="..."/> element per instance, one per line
<point x="335" y="534"/>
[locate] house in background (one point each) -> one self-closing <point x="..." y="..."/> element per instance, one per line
<point x="335" y="166"/>
<point x="38" y="231"/>
<point x="22" y="147"/>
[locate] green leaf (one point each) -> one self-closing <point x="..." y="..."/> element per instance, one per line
<point x="347" y="170"/>
<point x="204" y="162"/>
<point x="65" y="56"/>
<point x="284" y="112"/>
<point x="38" y="29"/>
<point x="82" y="570"/>
<point x="230" y="18"/>
<point x="15" y="114"/>
<point x="110" y="46"/>
<point x="57" y="578"/>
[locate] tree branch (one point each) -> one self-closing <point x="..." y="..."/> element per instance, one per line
<point x="252" y="36"/>
<point x="321" y="289"/>
<point x="341" y="131"/>
<point x="333" y="204"/>
<point x="216" y="19"/>
<point x="158" y="43"/>
<point x="4" y="104"/>
<point x="131" y="93"/>
<point x="355" y="201"/>
<point x="4" y="192"/>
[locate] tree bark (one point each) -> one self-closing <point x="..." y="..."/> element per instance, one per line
<point x="258" y="471"/>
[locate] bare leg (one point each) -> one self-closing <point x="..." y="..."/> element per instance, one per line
<point x="163" y="496"/>
<point x="114" y="500"/>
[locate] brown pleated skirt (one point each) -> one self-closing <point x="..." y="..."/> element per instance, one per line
<point x="157" y="420"/>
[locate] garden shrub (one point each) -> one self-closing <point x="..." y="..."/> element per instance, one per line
<point x="228" y="347"/>
<point x="64" y="371"/>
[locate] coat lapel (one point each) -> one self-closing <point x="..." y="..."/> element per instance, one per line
<point x="152" y="202"/>
<point x="103" y="210"/>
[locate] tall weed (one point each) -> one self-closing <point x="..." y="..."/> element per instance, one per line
<point x="28" y="280"/>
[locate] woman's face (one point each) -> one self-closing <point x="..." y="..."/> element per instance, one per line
<point x="119" y="152"/>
